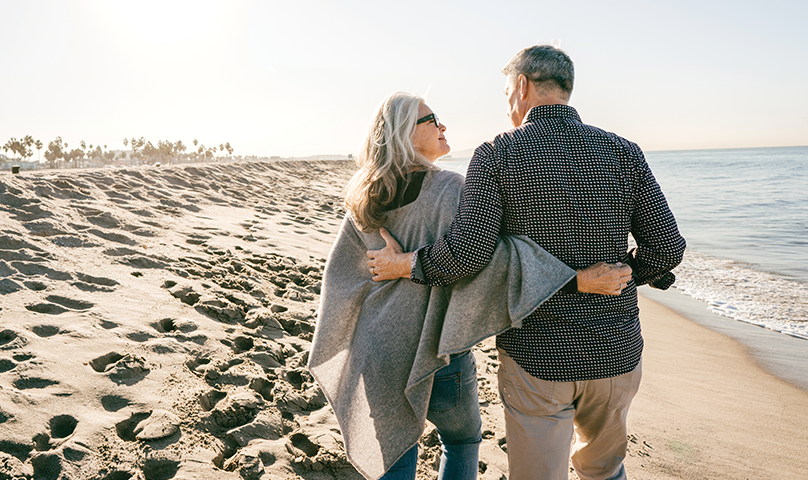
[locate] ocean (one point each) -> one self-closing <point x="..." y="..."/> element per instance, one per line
<point x="744" y="214"/>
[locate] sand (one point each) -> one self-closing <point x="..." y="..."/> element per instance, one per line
<point x="706" y="409"/>
<point x="155" y="323"/>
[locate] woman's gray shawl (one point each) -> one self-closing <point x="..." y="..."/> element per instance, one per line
<point x="377" y="345"/>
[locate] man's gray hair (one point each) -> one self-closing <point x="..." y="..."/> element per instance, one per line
<point x="544" y="65"/>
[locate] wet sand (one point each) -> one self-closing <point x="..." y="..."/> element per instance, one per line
<point x="155" y="323"/>
<point x="707" y="410"/>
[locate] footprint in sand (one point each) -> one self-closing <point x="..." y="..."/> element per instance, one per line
<point x="59" y="305"/>
<point x="177" y="328"/>
<point x="30" y="213"/>
<point x="126" y="428"/>
<point x="11" y="340"/>
<point x="88" y="287"/>
<point x="46" y="308"/>
<point x="31" y="269"/>
<point x="107" y="325"/>
<point x="199" y="365"/>
<point x="140" y="261"/>
<point x="302" y="442"/>
<point x="5" y="268"/>
<point x="127" y="369"/>
<point x="160" y="469"/>
<point x="148" y="426"/>
<point x="8" y="285"/>
<point x="165" y="325"/>
<point x="139" y="336"/>
<point x="28" y="383"/>
<point x="22" y="357"/>
<point x="209" y="399"/>
<point x="145" y="213"/>
<point x="120" y="252"/>
<point x="113" y="403"/>
<point x="35" y="286"/>
<point x="61" y="428"/>
<point x="112" y="236"/>
<point x="45" y="330"/>
<point x="238" y="408"/>
<point x="73" y="241"/>
<point x="239" y="344"/>
<point x="12" y="243"/>
<point x="185" y="293"/>
<point x="70" y="303"/>
<point x="12" y="456"/>
<point x="102" y="281"/>
<point x="104" y="220"/>
<point x="6" y="365"/>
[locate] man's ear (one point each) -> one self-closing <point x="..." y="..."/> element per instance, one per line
<point x="524" y="87"/>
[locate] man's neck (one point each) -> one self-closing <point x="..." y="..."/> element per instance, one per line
<point x="542" y="101"/>
<point x="539" y="101"/>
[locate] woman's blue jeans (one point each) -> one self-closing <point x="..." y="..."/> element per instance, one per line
<point x="455" y="411"/>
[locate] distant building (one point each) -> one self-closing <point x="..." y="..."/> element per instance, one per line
<point x="6" y="164"/>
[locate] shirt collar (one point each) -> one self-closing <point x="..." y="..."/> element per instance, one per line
<point x="552" y="111"/>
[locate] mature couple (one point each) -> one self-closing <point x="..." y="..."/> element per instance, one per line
<point x="532" y="247"/>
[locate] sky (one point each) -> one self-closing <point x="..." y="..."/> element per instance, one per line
<point x="301" y="78"/>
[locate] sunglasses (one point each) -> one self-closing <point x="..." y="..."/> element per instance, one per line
<point x="429" y="118"/>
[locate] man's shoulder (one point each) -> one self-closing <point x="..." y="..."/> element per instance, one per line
<point x="498" y="145"/>
<point x="610" y="137"/>
<point x="532" y="133"/>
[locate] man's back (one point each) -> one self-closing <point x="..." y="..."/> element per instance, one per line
<point x="578" y="192"/>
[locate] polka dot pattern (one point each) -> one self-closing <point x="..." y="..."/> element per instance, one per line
<point x="579" y="192"/>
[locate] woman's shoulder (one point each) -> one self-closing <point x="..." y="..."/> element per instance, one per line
<point x="442" y="186"/>
<point x="446" y="179"/>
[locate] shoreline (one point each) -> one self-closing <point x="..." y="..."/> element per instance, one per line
<point x="779" y="354"/>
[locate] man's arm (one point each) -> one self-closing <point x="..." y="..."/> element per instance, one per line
<point x="660" y="247"/>
<point x="392" y="263"/>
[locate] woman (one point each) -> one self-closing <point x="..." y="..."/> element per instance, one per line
<point x="389" y="355"/>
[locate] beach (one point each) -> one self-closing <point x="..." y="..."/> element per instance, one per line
<point x="155" y="323"/>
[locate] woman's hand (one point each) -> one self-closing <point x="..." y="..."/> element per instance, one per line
<point x="604" y="278"/>
<point x="390" y="262"/>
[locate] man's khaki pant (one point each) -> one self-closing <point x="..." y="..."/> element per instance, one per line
<point x="541" y="416"/>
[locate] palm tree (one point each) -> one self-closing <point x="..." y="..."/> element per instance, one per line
<point x="38" y="145"/>
<point x="55" y="151"/>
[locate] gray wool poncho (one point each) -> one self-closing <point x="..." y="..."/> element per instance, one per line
<point x="377" y="345"/>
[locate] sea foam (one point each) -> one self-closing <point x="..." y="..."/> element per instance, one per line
<point x="735" y="290"/>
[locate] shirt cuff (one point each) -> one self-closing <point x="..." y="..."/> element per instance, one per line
<point x="664" y="281"/>
<point x="417" y="269"/>
<point x="571" y="286"/>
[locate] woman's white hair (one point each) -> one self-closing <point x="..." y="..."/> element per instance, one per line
<point x="385" y="156"/>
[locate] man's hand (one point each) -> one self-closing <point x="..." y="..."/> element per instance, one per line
<point x="604" y="278"/>
<point x="390" y="262"/>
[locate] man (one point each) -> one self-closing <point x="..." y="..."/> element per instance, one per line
<point x="577" y="191"/>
